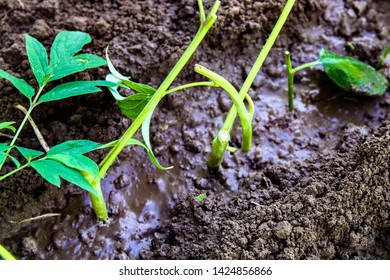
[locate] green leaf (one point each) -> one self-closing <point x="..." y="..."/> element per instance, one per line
<point x="140" y="88"/>
<point x="4" y="147"/>
<point x="62" y="59"/>
<point x="78" y="162"/>
<point x="20" y="84"/>
<point x="52" y="171"/>
<point x="74" y="147"/>
<point x="201" y="197"/>
<point x="15" y="161"/>
<point x="353" y="75"/>
<point x="37" y="56"/>
<point x="7" y="125"/>
<point x="29" y="154"/>
<point x="132" y="105"/>
<point x="146" y="136"/>
<point x="112" y="69"/>
<point x="77" y="64"/>
<point x="139" y="143"/>
<point x="74" y="89"/>
<point x="2" y="156"/>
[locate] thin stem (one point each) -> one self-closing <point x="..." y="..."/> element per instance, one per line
<point x="100" y="208"/>
<point x="383" y="56"/>
<point x="5" y="254"/>
<point x="290" y="81"/>
<point x="201" y="12"/>
<point x="306" y="65"/>
<point x="245" y="118"/>
<point x="37" y="132"/>
<point x="111" y="156"/>
<point x="32" y="106"/>
<point x="259" y="62"/>
<point x="196" y="84"/>
<point x="14" y="171"/>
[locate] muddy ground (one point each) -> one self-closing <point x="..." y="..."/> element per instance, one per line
<point x="316" y="184"/>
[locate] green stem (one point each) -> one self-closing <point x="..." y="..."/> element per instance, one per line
<point x="259" y="62"/>
<point x="219" y="146"/>
<point x="306" y="65"/>
<point x="383" y="56"/>
<point x="14" y="171"/>
<point x="290" y="81"/>
<point x="290" y="77"/>
<point x="27" y="115"/>
<point x="5" y="254"/>
<point x="245" y="117"/>
<point x="112" y="155"/>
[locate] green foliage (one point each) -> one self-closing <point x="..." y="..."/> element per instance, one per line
<point x="65" y="160"/>
<point x="29" y="154"/>
<point x="73" y="89"/>
<point x="20" y="84"/>
<point x="353" y="75"/>
<point x="7" y="125"/>
<point x="201" y="198"/>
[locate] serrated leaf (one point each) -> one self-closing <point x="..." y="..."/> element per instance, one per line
<point x="37" y="56"/>
<point x="74" y="147"/>
<point x="7" y="125"/>
<point x="78" y="162"/>
<point x="74" y="89"/>
<point x="29" y="154"/>
<point x="20" y="84"/>
<point x="62" y="59"/>
<point x="353" y="75"/>
<point x="52" y="171"/>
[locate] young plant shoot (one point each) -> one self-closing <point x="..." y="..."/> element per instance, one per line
<point x="67" y="159"/>
<point x="217" y="150"/>
<point x="145" y="103"/>
<point x="346" y="72"/>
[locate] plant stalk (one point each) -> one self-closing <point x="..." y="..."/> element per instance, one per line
<point x="218" y="148"/>
<point x="5" y="254"/>
<point x="112" y="155"/>
<point x="27" y="115"/>
<point x="245" y="117"/>
<point x="259" y="62"/>
<point x="383" y="56"/>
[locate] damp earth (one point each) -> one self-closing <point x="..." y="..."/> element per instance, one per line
<point x="316" y="184"/>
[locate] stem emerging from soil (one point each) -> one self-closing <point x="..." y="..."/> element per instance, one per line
<point x="383" y="56"/>
<point x="159" y="94"/>
<point x="227" y="126"/>
<point x="290" y="77"/>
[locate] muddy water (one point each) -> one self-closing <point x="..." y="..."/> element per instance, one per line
<point x="139" y="196"/>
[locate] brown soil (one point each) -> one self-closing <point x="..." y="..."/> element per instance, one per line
<point x="316" y="184"/>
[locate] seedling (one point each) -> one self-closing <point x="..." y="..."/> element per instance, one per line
<point x="67" y="159"/>
<point x="149" y="101"/>
<point x="201" y="198"/>
<point x="383" y="57"/>
<point x="346" y="72"/>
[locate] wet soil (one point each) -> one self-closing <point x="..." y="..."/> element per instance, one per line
<point x="315" y="185"/>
